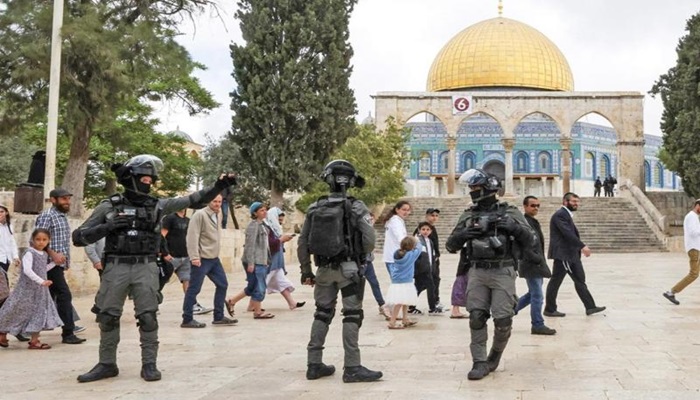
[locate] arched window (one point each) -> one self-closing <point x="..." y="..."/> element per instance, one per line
<point x="647" y="173"/>
<point x="589" y="165"/>
<point x="424" y="164"/>
<point x="521" y="162"/>
<point x="604" y="166"/>
<point x="659" y="175"/>
<point x="468" y="160"/>
<point x="442" y="162"/>
<point x="544" y="162"/>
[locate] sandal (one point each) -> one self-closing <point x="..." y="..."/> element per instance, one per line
<point x="408" y="323"/>
<point x="38" y="346"/>
<point x="230" y="307"/>
<point x="298" y="305"/>
<point x="459" y="316"/>
<point x="4" y="342"/>
<point x="264" y="316"/>
<point x="395" y="326"/>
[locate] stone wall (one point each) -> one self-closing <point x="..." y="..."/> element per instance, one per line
<point x="674" y="205"/>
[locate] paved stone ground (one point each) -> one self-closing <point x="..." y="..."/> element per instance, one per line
<point x="642" y="347"/>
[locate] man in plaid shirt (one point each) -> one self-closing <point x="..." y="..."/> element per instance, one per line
<point x="54" y="219"/>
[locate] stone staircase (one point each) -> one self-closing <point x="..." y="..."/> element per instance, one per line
<point x="606" y="224"/>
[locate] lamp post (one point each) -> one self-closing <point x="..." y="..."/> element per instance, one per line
<point x="54" y="86"/>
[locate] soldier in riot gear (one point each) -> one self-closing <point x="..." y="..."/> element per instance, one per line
<point x="491" y="236"/>
<point x="130" y="222"/>
<point x="338" y="232"/>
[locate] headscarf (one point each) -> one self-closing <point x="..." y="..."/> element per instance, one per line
<point x="273" y="222"/>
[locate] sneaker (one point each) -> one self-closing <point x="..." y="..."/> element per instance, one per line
<point x="198" y="309"/>
<point x="78" y="329"/>
<point x="542" y="330"/>
<point x="315" y="371"/>
<point x="554" y="314"/>
<point x="225" y="321"/>
<point x="671" y="297"/>
<point x="72" y="339"/>
<point x="435" y="312"/>
<point x="360" y="374"/>
<point x="594" y="310"/>
<point x="415" y="311"/>
<point x="193" y="324"/>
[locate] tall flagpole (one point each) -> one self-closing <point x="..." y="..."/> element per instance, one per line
<point x="54" y="86"/>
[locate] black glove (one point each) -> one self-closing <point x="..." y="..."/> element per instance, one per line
<point x="308" y="275"/>
<point x="509" y="225"/>
<point x="226" y="181"/>
<point x="471" y="232"/>
<point x="119" y="222"/>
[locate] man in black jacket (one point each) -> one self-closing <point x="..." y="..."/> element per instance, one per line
<point x="534" y="272"/>
<point x="565" y="247"/>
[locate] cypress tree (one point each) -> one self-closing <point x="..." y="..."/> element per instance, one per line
<point x="293" y="106"/>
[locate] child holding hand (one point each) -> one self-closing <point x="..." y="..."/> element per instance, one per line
<point x="30" y="307"/>
<point x="402" y="291"/>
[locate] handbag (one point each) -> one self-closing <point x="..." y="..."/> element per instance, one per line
<point x="4" y="285"/>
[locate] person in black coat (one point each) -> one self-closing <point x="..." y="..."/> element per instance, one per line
<point x="565" y="248"/>
<point x="534" y="272"/>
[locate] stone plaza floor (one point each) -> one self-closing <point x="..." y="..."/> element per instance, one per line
<point x="641" y="347"/>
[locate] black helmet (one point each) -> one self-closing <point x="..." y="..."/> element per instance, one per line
<point x="340" y="173"/>
<point x="488" y="183"/>
<point x="145" y="164"/>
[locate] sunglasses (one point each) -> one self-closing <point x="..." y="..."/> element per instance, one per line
<point x="534" y="205"/>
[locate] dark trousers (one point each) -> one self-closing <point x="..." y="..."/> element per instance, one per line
<point x="575" y="270"/>
<point x="371" y="276"/>
<point x="425" y="282"/>
<point x="64" y="299"/>
<point x="436" y="280"/>
<point x="211" y="268"/>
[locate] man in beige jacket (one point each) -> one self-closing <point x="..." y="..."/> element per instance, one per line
<point x="203" y="240"/>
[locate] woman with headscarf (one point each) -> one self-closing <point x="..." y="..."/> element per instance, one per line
<point x="277" y="281"/>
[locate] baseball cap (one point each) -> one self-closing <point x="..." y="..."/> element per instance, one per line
<point x="59" y="192"/>
<point x="255" y="207"/>
<point x="432" y="210"/>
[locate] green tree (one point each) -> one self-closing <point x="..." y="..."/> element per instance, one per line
<point x="679" y="89"/>
<point x="293" y="106"/>
<point x="379" y="157"/>
<point x="225" y="156"/>
<point x="116" y="53"/>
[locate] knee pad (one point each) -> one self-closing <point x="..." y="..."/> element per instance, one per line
<point x="147" y="321"/>
<point x="324" y="315"/>
<point x="349" y="290"/>
<point x="503" y="324"/>
<point x="108" y="322"/>
<point x="354" y="316"/>
<point x="478" y="318"/>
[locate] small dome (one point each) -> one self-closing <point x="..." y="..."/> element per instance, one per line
<point x="368" y="120"/>
<point x="181" y="134"/>
<point x="500" y="53"/>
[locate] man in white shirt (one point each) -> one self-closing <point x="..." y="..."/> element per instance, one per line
<point x="691" y="234"/>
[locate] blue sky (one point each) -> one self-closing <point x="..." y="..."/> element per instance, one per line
<point x="611" y="45"/>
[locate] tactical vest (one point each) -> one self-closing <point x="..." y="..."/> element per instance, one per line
<point x="142" y="237"/>
<point x="494" y="245"/>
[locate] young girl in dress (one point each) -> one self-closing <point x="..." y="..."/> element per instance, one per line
<point x="402" y="291"/>
<point x="29" y="307"/>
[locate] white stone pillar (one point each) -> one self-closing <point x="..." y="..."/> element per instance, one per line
<point x="566" y="163"/>
<point x="630" y="157"/>
<point x="544" y="185"/>
<point x="451" y="161"/>
<point x="556" y="186"/>
<point x="522" y="186"/>
<point x="508" y="146"/>
<point x="432" y="186"/>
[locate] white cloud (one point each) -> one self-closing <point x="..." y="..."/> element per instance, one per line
<point x="621" y="45"/>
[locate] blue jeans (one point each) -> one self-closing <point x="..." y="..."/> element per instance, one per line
<point x="535" y="298"/>
<point x="257" y="285"/>
<point x="371" y="276"/>
<point x="211" y="268"/>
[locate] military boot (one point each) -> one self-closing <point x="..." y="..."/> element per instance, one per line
<point x="479" y="370"/>
<point x="360" y="374"/>
<point x="150" y="373"/>
<point x="99" y="371"/>
<point x="493" y="359"/>
<point x="319" y="370"/>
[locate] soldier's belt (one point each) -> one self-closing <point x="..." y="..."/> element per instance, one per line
<point x="130" y="259"/>
<point x="492" y="264"/>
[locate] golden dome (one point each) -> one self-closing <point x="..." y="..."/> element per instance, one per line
<point x="500" y="52"/>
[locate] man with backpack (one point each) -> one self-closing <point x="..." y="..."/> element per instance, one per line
<point x="338" y="232"/>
